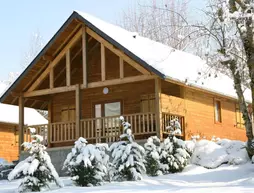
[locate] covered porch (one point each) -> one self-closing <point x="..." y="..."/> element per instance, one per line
<point x="100" y="130"/>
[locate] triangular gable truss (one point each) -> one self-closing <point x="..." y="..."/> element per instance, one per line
<point x="65" y="52"/>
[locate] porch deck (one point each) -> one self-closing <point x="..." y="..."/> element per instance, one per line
<point x="101" y="130"/>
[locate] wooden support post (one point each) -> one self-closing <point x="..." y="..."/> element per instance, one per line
<point x="49" y="123"/>
<point x="78" y="111"/>
<point x="103" y="75"/>
<point x="68" y="68"/>
<point x="21" y="123"/>
<point x="158" y="112"/>
<point x="84" y="56"/>
<point x="51" y="78"/>
<point x="121" y="67"/>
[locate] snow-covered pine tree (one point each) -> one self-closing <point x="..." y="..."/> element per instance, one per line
<point x="152" y="156"/>
<point x="173" y="155"/>
<point x="37" y="169"/>
<point x="87" y="163"/>
<point x="128" y="156"/>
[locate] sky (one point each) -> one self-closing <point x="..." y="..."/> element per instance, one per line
<point x="20" y="19"/>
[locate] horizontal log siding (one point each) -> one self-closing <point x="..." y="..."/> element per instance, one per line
<point x="129" y="94"/>
<point x="200" y="117"/>
<point x="9" y="142"/>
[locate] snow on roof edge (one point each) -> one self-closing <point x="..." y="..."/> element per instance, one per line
<point x="122" y="36"/>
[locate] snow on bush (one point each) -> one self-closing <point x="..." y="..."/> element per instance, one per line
<point x="190" y="146"/>
<point x="173" y="157"/>
<point x="37" y="169"/>
<point x="209" y="154"/>
<point x="128" y="156"/>
<point x="152" y="156"/>
<point x="87" y="163"/>
<point x="236" y="151"/>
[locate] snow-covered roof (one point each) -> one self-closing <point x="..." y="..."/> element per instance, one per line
<point x="10" y="113"/>
<point x="173" y="64"/>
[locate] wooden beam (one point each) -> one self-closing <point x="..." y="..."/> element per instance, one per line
<point x="103" y="73"/>
<point x="49" y="122"/>
<point x="68" y="68"/>
<point x="117" y="52"/>
<point x="158" y="113"/>
<point x="51" y="78"/>
<point x="32" y="105"/>
<point x="55" y="61"/>
<point x="48" y="58"/>
<point x="84" y="56"/>
<point x="78" y="110"/>
<point x="49" y="91"/>
<point x="14" y="100"/>
<point x="119" y="81"/>
<point x="21" y="122"/>
<point x="66" y="39"/>
<point x="121" y="67"/>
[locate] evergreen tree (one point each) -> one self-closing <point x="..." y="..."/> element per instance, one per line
<point x="87" y="164"/>
<point x="152" y="156"/>
<point x="173" y="155"/>
<point x="128" y="156"/>
<point x="37" y="169"/>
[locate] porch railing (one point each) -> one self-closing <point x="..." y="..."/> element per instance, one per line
<point x="63" y="132"/>
<point x="108" y="129"/>
<point x="167" y="117"/>
<point x="39" y="129"/>
<point x="104" y="129"/>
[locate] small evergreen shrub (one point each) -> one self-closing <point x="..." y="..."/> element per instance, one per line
<point x="128" y="156"/>
<point x="87" y="163"/>
<point x="37" y="170"/>
<point x="152" y="156"/>
<point x="173" y="157"/>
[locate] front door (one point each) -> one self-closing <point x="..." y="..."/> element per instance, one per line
<point x="107" y="124"/>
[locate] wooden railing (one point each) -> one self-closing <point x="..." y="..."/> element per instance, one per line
<point x="104" y="129"/>
<point x="167" y="117"/>
<point x="40" y="130"/>
<point x="62" y="132"/>
<point x="108" y="129"/>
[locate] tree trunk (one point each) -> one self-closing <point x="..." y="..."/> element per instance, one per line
<point x="243" y="107"/>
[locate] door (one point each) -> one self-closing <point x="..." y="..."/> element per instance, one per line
<point x="108" y="123"/>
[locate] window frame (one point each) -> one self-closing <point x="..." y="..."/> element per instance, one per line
<point x="237" y="110"/>
<point x="102" y="103"/>
<point x="220" y="111"/>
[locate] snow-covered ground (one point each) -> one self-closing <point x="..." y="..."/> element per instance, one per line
<point x="193" y="179"/>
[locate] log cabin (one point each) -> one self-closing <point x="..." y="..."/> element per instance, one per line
<point x="91" y="72"/>
<point x="9" y="128"/>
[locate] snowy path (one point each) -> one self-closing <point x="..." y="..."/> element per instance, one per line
<point x="194" y="179"/>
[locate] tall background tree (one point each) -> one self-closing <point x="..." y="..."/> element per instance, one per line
<point x="158" y="20"/>
<point x="229" y="31"/>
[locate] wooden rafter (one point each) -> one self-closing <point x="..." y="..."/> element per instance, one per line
<point x="55" y="61"/>
<point x="121" y="67"/>
<point x="116" y="51"/>
<point x="68" y="68"/>
<point x="51" y="78"/>
<point x="120" y="81"/>
<point x="49" y="91"/>
<point x="84" y="56"/>
<point x="103" y="70"/>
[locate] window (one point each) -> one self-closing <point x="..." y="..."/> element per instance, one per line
<point x="68" y="113"/>
<point x="239" y="117"/>
<point x="108" y="110"/>
<point x="217" y="106"/>
<point x="148" y="103"/>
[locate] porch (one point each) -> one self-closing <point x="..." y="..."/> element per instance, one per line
<point x="101" y="130"/>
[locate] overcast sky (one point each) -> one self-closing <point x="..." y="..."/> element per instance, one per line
<point x="20" y="19"/>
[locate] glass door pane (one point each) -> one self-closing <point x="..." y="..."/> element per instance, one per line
<point x="112" y="109"/>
